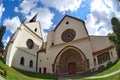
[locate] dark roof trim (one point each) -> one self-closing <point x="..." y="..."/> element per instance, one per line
<point x="103" y="50"/>
<point x="70" y="17"/>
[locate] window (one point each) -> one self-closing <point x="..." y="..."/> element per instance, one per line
<point x="68" y="35"/>
<point x="31" y="63"/>
<point x="39" y="70"/>
<point x="112" y="54"/>
<point x="35" y="29"/>
<point x="67" y="22"/>
<point x="52" y="44"/>
<point x="30" y="43"/>
<point x="103" y="57"/>
<point x="22" y="61"/>
<point x="44" y="70"/>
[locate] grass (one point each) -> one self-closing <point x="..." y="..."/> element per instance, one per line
<point x="16" y="74"/>
<point x="111" y="69"/>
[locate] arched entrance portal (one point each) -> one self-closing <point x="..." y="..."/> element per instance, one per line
<point x="71" y="61"/>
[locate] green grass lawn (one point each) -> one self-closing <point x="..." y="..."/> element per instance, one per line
<point x="16" y="74"/>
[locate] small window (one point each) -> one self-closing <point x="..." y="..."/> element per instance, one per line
<point x="22" y="61"/>
<point x="31" y="63"/>
<point x="112" y="54"/>
<point x="35" y="29"/>
<point x="44" y="70"/>
<point x="52" y="44"/>
<point x="40" y="70"/>
<point x="67" y="22"/>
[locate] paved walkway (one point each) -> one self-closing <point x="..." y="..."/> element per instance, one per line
<point x="93" y="77"/>
<point x="107" y="75"/>
<point x="1" y="78"/>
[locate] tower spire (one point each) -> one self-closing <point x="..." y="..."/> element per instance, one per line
<point x="34" y="18"/>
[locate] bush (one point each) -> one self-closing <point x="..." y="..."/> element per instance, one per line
<point x="2" y="59"/>
<point x="3" y="69"/>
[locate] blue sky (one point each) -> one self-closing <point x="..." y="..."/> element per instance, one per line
<point x="96" y="14"/>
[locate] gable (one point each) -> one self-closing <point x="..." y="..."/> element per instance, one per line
<point x="71" y="24"/>
<point x="35" y="27"/>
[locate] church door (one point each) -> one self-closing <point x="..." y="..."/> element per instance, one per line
<point x="72" y="68"/>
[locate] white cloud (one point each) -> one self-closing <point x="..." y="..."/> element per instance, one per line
<point x="16" y="9"/>
<point x="12" y="24"/>
<point x="27" y="5"/>
<point x="2" y="9"/>
<point x="5" y="41"/>
<point x="62" y="5"/>
<point x="101" y="12"/>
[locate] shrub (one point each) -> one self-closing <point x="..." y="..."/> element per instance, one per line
<point x="1" y="59"/>
<point x="3" y="69"/>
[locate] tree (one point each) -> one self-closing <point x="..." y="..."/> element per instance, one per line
<point x="115" y="36"/>
<point x="2" y="31"/>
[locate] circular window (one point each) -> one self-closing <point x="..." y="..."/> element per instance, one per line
<point x="68" y="35"/>
<point x="30" y="43"/>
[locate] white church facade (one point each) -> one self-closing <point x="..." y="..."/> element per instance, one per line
<point x="69" y="49"/>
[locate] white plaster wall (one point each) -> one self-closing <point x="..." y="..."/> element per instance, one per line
<point x="27" y="57"/>
<point x="73" y="24"/>
<point x="12" y="49"/>
<point x="19" y="49"/>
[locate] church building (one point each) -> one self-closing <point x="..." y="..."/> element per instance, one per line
<point x="69" y="49"/>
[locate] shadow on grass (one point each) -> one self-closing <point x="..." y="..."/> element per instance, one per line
<point x="36" y="75"/>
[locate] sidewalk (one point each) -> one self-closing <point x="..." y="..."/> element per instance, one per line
<point x="107" y="75"/>
<point x="1" y="78"/>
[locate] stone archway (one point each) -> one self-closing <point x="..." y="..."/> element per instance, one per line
<point x="71" y="56"/>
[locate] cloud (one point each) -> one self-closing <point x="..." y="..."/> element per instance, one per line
<point x="2" y="9"/>
<point x="12" y="24"/>
<point x="62" y="5"/>
<point x="5" y="41"/>
<point x="16" y="9"/>
<point x="101" y="12"/>
<point x="26" y="6"/>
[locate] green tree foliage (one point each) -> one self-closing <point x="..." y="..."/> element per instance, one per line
<point x="115" y="36"/>
<point x="2" y="31"/>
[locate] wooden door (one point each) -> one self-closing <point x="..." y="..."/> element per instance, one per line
<point x="72" y="68"/>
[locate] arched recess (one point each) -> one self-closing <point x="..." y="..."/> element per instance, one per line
<point x="72" y="56"/>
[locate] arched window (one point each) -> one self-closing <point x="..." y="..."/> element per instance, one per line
<point x="31" y="63"/>
<point x="22" y="61"/>
<point x="44" y="70"/>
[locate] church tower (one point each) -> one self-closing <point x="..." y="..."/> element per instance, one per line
<point x="21" y="51"/>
